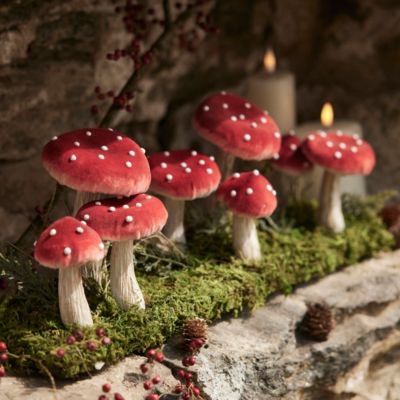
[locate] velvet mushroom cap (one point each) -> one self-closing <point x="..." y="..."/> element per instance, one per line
<point x="97" y="161"/>
<point x="68" y="243"/>
<point x="292" y="159"/>
<point x="238" y="127"/>
<point x="248" y="194"/>
<point x="184" y="174"/>
<point x="131" y="218"/>
<point x="340" y="153"/>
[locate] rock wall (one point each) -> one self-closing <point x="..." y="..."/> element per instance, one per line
<point x="52" y="54"/>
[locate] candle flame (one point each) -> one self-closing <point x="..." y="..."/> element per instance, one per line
<point x="327" y="115"/>
<point x="270" y="61"/>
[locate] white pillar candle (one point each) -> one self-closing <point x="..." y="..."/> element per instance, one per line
<point x="275" y="92"/>
<point x="353" y="184"/>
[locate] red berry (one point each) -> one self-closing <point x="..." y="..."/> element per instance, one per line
<point x="153" y="396"/>
<point x="110" y="93"/>
<point x="106" y="387"/>
<point x="60" y="353"/>
<point x="78" y="334"/>
<point x="147" y="385"/>
<point x="144" y="368"/>
<point x="159" y="356"/>
<point x="106" y="341"/>
<point x="186" y="396"/>
<point x="3" y="347"/>
<point x="97" y="89"/>
<point x="3" y="357"/>
<point x="151" y="353"/>
<point x="181" y="374"/>
<point x="2" y="372"/>
<point x="91" y="345"/>
<point x="118" y="396"/>
<point x="192" y="360"/>
<point x="188" y="376"/>
<point x="196" y="391"/>
<point x="71" y="340"/>
<point x="185" y="361"/>
<point x="103" y="397"/>
<point x="100" y="332"/>
<point x="156" y="380"/>
<point x="178" y="388"/>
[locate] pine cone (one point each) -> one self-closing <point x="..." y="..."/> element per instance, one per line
<point x="317" y="322"/>
<point x="196" y="328"/>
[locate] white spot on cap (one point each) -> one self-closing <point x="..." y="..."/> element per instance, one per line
<point x="148" y="196"/>
<point x="143" y="150"/>
<point x="110" y="129"/>
<point x="183" y="164"/>
<point x="104" y="148"/>
<point x="277" y="135"/>
<point x="126" y="206"/>
<point x="167" y="153"/>
<point x="188" y="170"/>
<point x="86" y="217"/>
<point x="359" y="142"/>
<point x="247" y="137"/>
<point x="263" y="120"/>
<point x="54" y="138"/>
<point x="88" y="133"/>
<point x="249" y="191"/>
<point x="119" y="137"/>
<point x="128" y="219"/>
<point x="77" y="144"/>
<point x="223" y="92"/>
<point x="292" y="132"/>
<point x="209" y="171"/>
<point x="274" y="192"/>
<point x="311" y="137"/>
<point x="266" y="112"/>
<point x="276" y="156"/>
<point x="212" y="158"/>
<point x="247" y="105"/>
<point x="101" y="156"/>
<point x="98" y="203"/>
<point x="269" y="188"/>
<point x="132" y="153"/>
<point x="356" y="136"/>
<point x="79" y="229"/>
<point x="169" y="177"/>
<point x="242" y="117"/>
<point x="233" y="193"/>
<point x="256" y="172"/>
<point x="206" y="108"/>
<point x="293" y="146"/>
<point x="67" y="251"/>
<point x="34" y="243"/>
<point x="202" y="162"/>
<point x="342" y="145"/>
<point x="353" y="149"/>
<point x="339" y="132"/>
<point x="111" y="209"/>
<point x="225" y="105"/>
<point x="138" y="205"/>
<point x="254" y="124"/>
<point x="53" y="232"/>
<point x="83" y="222"/>
<point x="128" y="164"/>
<point x="329" y="144"/>
<point x="101" y="246"/>
<point x="72" y="157"/>
<point x="236" y="175"/>
<point x="234" y="118"/>
<point x="338" y="155"/>
<point x="163" y="165"/>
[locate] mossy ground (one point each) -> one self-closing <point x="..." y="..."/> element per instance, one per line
<point x="207" y="282"/>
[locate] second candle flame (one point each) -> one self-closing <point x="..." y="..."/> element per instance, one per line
<point x="270" y="61"/>
<point x="327" y="115"/>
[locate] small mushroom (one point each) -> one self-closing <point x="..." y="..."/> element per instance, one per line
<point x="249" y="196"/>
<point x="339" y="154"/>
<point x="238" y="127"/>
<point x="121" y="221"/>
<point x="67" y="244"/>
<point x="97" y="161"/>
<point x="182" y="175"/>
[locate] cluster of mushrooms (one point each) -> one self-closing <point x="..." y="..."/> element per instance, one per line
<point x="111" y="175"/>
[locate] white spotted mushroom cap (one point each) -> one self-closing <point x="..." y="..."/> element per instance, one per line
<point x="339" y="152"/>
<point x="68" y="243"/>
<point x="248" y="194"/>
<point x="184" y="174"/>
<point x="129" y="218"/>
<point x="237" y="126"/>
<point x="97" y="161"/>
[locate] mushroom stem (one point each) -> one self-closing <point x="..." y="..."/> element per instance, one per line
<point x="91" y="270"/>
<point x="245" y="238"/>
<point x="174" y="229"/>
<point x="124" y="285"/>
<point x="330" y="204"/>
<point x="226" y="164"/>
<point x="74" y="308"/>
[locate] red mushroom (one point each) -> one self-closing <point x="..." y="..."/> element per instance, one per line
<point x="67" y="244"/>
<point x="182" y="175"/>
<point x="339" y="154"/>
<point x="292" y="160"/>
<point x="238" y="127"/>
<point x="94" y="161"/>
<point x="123" y="220"/>
<point x="249" y="196"/>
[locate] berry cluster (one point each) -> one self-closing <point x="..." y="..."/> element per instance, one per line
<point x="3" y="358"/>
<point x="151" y="382"/>
<point x="77" y="341"/>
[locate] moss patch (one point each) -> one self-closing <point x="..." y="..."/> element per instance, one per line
<point x="208" y="282"/>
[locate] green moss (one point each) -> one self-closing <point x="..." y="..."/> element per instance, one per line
<point x="208" y="282"/>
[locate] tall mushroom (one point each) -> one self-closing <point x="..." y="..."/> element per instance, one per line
<point x="182" y="175"/>
<point x="67" y="244"/>
<point x="238" y="127"/>
<point x="292" y="160"/>
<point x="123" y="220"/>
<point x="249" y="196"/>
<point x="97" y="161"/>
<point x="339" y="154"/>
